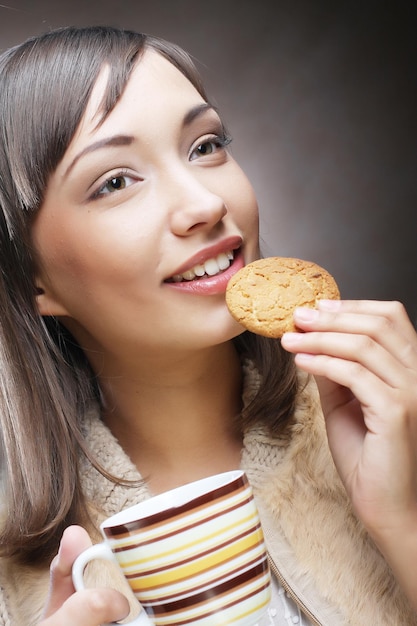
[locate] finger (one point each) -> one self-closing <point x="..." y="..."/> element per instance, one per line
<point x="74" y="541"/>
<point x="382" y="407"/>
<point x="363" y="384"/>
<point x="386" y="308"/>
<point x="393" y="312"/>
<point x="90" y="607"/>
<point x="361" y="349"/>
<point x="393" y="335"/>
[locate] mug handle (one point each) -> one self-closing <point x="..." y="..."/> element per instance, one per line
<point x="101" y="551"/>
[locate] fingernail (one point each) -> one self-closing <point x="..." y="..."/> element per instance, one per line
<point x="304" y="314"/>
<point x="329" y="305"/>
<point x="54" y="562"/>
<point x="291" y="339"/>
<point x="304" y="358"/>
<point x="58" y="554"/>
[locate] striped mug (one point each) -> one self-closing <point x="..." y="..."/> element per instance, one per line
<point x="194" y="555"/>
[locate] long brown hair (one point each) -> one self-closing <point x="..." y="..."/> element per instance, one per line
<point x="46" y="382"/>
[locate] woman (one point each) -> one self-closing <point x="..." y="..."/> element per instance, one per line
<point x="123" y="374"/>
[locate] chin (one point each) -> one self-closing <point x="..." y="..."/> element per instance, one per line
<point x="229" y="331"/>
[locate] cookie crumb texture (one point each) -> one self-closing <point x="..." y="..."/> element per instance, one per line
<point x="262" y="296"/>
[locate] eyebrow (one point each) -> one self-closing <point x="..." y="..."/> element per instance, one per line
<point x="197" y="111"/>
<point x="126" y="140"/>
<point x="116" y="140"/>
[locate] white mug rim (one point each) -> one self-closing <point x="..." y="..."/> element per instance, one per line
<point x="171" y="499"/>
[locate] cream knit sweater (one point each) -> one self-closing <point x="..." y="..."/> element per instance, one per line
<point x="318" y="549"/>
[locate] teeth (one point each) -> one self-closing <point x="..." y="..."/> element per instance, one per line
<point x="211" y="267"/>
<point x="223" y="261"/>
<point x="199" y="270"/>
<point x="189" y="275"/>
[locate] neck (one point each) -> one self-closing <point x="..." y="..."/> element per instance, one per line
<point x="177" y="419"/>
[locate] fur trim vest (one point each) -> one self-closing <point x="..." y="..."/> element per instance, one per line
<point x="318" y="549"/>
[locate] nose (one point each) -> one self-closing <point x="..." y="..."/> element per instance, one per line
<point x="193" y="205"/>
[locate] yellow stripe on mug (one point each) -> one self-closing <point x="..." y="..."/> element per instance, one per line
<point x="200" y="541"/>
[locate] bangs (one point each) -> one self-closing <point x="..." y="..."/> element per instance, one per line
<point x="47" y="83"/>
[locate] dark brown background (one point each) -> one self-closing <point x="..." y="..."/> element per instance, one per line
<point x="321" y="100"/>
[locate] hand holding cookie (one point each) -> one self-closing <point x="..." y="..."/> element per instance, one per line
<point x="363" y="355"/>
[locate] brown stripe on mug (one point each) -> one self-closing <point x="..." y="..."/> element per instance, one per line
<point x="225" y="607"/>
<point x="170" y="609"/>
<point x="139" y="544"/>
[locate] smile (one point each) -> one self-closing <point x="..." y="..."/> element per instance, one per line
<point x="211" y="267"/>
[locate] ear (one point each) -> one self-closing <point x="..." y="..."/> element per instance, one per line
<point x="47" y="303"/>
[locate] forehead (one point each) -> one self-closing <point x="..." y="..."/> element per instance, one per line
<point x="155" y="90"/>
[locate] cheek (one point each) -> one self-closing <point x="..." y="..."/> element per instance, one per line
<point x="64" y="253"/>
<point x="244" y="203"/>
<point x="105" y="246"/>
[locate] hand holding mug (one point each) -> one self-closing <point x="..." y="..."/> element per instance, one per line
<point x="193" y="555"/>
<point x="87" y="608"/>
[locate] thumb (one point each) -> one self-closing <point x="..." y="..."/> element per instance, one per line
<point x="74" y="541"/>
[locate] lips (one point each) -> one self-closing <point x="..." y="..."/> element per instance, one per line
<point x="208" y="271"/>
<point x="207" y="262"/>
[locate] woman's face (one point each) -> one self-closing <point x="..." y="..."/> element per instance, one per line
<point x="141" y="219"/>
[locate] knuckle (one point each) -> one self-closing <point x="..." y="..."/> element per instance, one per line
<point x="384" y="325"/>
<point x="356" y="370"/>
<point x="364" y="344"/>
<point x="397" y="307"/>
<point x="106" y="604"/>
<point x="396" y="310"/>
<point x="97" y="603"/>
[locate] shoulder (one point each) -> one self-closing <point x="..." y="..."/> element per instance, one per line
<point x="4" y="611"/>
<point x="23" y="592"/>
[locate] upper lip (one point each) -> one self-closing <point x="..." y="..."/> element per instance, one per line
<point x="230" y="243"/>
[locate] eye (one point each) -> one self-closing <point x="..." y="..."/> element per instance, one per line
<point x="207" y="147"/>
<point x="114" y="183"/>
<point x="210" y="146"/>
